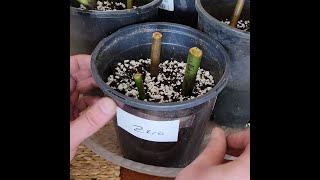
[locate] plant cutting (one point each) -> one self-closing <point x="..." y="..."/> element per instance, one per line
<point x="235" y="22"/>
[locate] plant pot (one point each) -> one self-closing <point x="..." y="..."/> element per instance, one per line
<point x="160" y="134"/>
<point x="184" y="12"/>
<point x="232" y="108"/>
<point x="87" y="28"/>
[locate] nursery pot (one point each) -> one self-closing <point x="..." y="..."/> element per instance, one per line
<point x="183" y="12"/>
<point x="232" y="108"/>
<point x="160" y="134"/>
<point x="87" y="28"/>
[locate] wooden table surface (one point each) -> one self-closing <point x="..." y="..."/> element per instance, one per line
<point x="127" y="174"/>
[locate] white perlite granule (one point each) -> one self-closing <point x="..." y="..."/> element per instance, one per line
<point x="107" y="6"/>
<point x="166" y="87"/>
<point x="243" y="25"/>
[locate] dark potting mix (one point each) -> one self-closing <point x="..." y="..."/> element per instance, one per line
<point x="166" y="87"/>
<point x="108" y="5"/>
<point x="242" y="24"/>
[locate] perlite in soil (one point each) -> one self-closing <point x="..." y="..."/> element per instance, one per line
<point x="167" y="81"/>
<point x="105" y="5"/>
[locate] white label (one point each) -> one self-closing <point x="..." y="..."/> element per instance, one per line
<point x="167" y="5"/>
<point x="157" y="131"/>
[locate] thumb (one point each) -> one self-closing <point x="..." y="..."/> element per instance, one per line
<point x="90" y="121"/>
<point x="215" y="151"/>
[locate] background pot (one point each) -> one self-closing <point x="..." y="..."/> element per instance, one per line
<point x="233" y="105"/>
<point x="87" y="28"/>
<point x="134" y="42"/>
<point x="184" y="13"/>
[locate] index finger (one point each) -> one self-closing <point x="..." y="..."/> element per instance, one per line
<point x="79" y="62"/>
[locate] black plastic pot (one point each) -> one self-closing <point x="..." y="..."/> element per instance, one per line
<point x="134" y="42"/>
<point x="87" y="28"/>
<point x="233" y="104"/>
<point x="184" y="13"/>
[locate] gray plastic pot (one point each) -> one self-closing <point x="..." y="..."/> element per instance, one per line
<point x="232" y="108"/>
<point x="192" y="116"/>
<point x="184" y="13"/>
<point x="87" y="28"/>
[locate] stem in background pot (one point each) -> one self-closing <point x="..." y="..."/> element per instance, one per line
<point x="90" y="4"/>
<point x="139" y="83"/>
<point x="129" y="4"/>
<point x="193" y="64"/>
<point x="236" y="13"/>
<point x="155" y="53"/>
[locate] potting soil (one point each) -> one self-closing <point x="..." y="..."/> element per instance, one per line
<point x="242" y="24"/>
<point x="166" y="87"/>
<point x="106" y="5"/>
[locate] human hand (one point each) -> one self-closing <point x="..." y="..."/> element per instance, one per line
<point x="210" y="164"/>
<point x="87" y="113"/>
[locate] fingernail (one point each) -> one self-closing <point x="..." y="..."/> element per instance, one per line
<point x="107" y="105"/>
<point x="216" y="132"/>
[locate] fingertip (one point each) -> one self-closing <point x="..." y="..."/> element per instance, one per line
<point x="91" y="120"/>
<point x="239" y="140"/>
<point x="215" y="151"/>
<point x="218" y="138"/>
<point x="217" y="133"/>
<point x="107" y="105"/>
